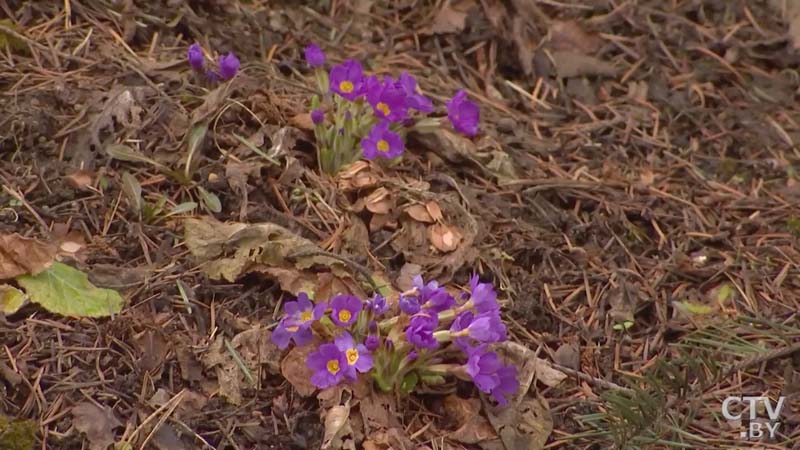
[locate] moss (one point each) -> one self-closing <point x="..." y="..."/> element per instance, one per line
<point x="793" y="225"/>
<point x="17" y="434"/>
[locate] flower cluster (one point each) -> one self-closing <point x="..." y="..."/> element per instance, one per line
<point x="227" y="66"/>
<point x="427" y="336"/>
<point x="366" y="115"/>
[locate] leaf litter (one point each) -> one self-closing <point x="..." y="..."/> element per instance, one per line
<point x="690" y="199"/>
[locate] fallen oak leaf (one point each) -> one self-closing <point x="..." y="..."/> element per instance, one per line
<point x="24" y="256"/>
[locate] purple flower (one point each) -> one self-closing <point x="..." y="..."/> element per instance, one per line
<point x="195" y="57"/>
<point x="212" y="77"/>
<point x="315" y="57"/>
<point x="296" y="323"/>
<point x="412" y="356"/>
<point x="372" y="342"/>
<point x="345" y="309"/>
<point x="329" y="365"/>
<point x="388" y="99"/>
<point x="490" y="375"/>
<point x="382" y="142"/>
<point x="414" y="100"/>
<point x="464" y="114"/>
<point x="317" y="116"/>
<point x="409" y="305"/>
<point x="432" y="296"/>
<point x="377" y="305"/>
<point x="420" y="330"/>
<point x="228" y="66"/>
<point x="460" y="323"/>
<point x="483" y="295"/>
<point x="347" y="79"/>
<point x="356" y="355"/>
<point x="487" y="327"/>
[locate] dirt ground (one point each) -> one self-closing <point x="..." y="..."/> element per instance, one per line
<point x="633" y="194"/>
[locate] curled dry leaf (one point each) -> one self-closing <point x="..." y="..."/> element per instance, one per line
<point x="337" y="428"/>
<point x="530" y="366"/>
<point x="80" y="179"/>
<point x="302" y="121"/>
<point x="24" y="256"/>
<point x="569" y="35"/>
<point x="473" y="427"/>
<point x="573" y="64"/>
<point x="231" y="250"/>
<point x="523" y="426"/>
<point x="356" y="176"/>
<point x="452" y="18"/>
<point x="97" y="423"/>
<point x="444" y="237"/>
<point x="420" y="213"/>
<point x="379" y="201"/>
<point x="296" y="372"/>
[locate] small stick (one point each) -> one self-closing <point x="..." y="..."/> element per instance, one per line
<point x="18" y="196"/>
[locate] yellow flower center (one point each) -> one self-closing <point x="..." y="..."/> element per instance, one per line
<point x="346" y="87"/>
<point x="333" y="367"/>
<point x="305" y="316"/>
<point x="352" y="356"/>
<point x="383" y="107"/>
<point x="383" y="146"/>
<point x="344" y="315"/>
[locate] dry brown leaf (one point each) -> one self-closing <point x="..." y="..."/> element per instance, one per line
<point x="444" y="237"/>
<point x="530" y="366"/>
<point x="337" y="426"/>
<point x="97" y="423"/>
<point x="20" y="256"/>
<point x="569" y="35"/>
<point x="302" y="121"/>
<point x="452" y="18"/>
<point x="356" y="176"/>
<point x="256" y="348"/>
<point x="379" y="201"/>
<point x="420" y="213"/>
<point x="80" y="179"/>
<point x="523" y="426"/>
<point x="473" y="426"/>
<point x="379" y="221"/>
<point x="407" y="273"/>
<point x="434" y="210"/>
<point x="229" y="377"/>
<point x="296" y="372"/>
<point x="230" y="250"/>
<point x="573" y="64"/>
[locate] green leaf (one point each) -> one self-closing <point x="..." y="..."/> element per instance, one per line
<point x="210" y="200"/>
<point x="693" y="309"/>
<point x="196" y="137"/>
<point x="409" y="383"/>
<point x="11" y="299"/>
<point x="123" y="152"/>
<point x="433" y="380"/>
<point x="64" y="290"/>
<point x="183" y="208"/>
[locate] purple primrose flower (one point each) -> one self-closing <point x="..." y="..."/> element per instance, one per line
<point x="329" y="365"/>
<point x="482" y="295"/>
<point x="228" y="66"/>
<point x="195" y="57"/>
<point x="357" y="356"/>
<point x="382" y="142"/>
<point x="296" y="323"/>
<point x="487" y="327"/>
<point x="345" y="309"/>
<point x="388" y="99"/>
<point x="372" y="342"/>
<point x="315" y="57"/>
<point x="317" y="116"/>
<point x="347" y="79"/>
<point x="377" y="305"/>
<point x="490" y="375"/>
<point x="420" y="330"/>
<point x="413" y="99"/>
<point x="464" y="114"/>
<point x="409" y="305"/>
